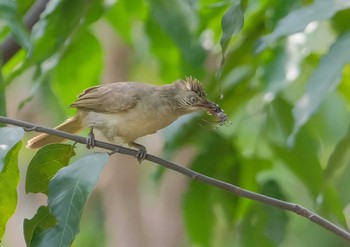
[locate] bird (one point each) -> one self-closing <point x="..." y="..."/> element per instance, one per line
<point x="126" y="111"/>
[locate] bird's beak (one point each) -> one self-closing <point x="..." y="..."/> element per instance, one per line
<point x="215" y="110"/>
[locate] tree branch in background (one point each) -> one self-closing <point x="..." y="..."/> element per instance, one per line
<point x="302" y="211"/>
<point x="9" y="47"/>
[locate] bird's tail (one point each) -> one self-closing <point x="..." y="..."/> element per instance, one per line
<point x="71" y="125"/>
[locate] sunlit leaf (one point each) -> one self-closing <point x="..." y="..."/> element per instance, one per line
<point x="44" y="165"/>
<point x="9" y="173"/>
<point x="68" y="192"/>
<point x="324" y="79"/>
<point x="297" y="20"/>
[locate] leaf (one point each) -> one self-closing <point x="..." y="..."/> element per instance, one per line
<point x="179" y="21"/>
<point x="9" y="136"/>
<point x="297" y="20"/>
<point x="339" y="158"/>
<point x="265" y="224"/>
<point x="164" y="49"/>
<point x="200" y="200"/>
<point x="8" y="13"/>
<point x="324" y="79"/>
<point x="9" y="173"/>
<point x="231" y="23"/>
<point x="67" y="75"/>
<point x="199" y="215"/>
<point x="68" y="192"/>
<point x="40" y="221"/>
<point x="45" y="164"/>
<point x="303" y="161"/>
<point x="122" y="17"/>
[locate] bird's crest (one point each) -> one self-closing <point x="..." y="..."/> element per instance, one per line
<point x="194" y="85"/>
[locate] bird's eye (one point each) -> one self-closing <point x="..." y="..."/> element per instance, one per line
<point x="193" y="99"/>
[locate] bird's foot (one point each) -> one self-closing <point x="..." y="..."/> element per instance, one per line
<point x="142" y="152"/>
<point x="90" y="139"/>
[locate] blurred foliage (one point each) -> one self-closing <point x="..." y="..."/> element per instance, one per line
<point x="10" y="144"/>
<point x="285" y="82"/>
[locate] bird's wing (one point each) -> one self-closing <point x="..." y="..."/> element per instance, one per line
<point x="108" y="98"/>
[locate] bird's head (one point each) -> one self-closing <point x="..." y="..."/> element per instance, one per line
<point x="192" y="97"/>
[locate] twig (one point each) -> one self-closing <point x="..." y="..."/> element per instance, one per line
<point x="300" y="210"/>
<point x="9" y="47"/>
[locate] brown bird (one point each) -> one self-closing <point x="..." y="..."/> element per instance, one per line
<point x="125" y="111"/>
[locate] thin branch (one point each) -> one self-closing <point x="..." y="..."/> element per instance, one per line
<point x="300" y="210"/>
<point x="9" y="47"/>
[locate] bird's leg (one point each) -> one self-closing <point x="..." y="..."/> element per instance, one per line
<point x="141" y="154"/>
<point x="90" y="139"/>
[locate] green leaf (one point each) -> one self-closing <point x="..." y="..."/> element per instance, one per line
<point x="45" y="164"/>
<point x="199" y="214"/>
<point x="200" y="200"/>
<point x="324" y="79"/>
<point x="303" y="161"/>
<point x="40" y="221"/>
<point x="67" y="75"/>
<point x="297" y="20"/>
<point x="265" y="224"/>
<point x="122" y="16"/>
<point x="9" y="13"/>
<point x="9" y="173"/>
<point x="231" y="23"/>
<point x="48" y="39"/>
<point x="9" y="136"/>
<point x="68" y="192"/>
<point x="339" y="158"/>
<point x="164" y="49"/>
<point x="179" y="20"/>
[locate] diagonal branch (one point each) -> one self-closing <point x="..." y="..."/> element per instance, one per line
<point x="9" y="47"/>
<point x="295" y="208"/>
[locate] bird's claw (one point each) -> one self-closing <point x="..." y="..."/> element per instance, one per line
<point x="141" y="153"/>
<point x="90" y="140"/>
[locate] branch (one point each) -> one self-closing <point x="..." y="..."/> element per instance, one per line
<point x="9" y="47"/>
<point x="295" y="208"/>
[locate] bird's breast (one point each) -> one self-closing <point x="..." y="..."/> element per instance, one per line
<point x="128" y="125"/>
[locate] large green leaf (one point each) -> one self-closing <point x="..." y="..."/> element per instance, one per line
<point x="324" y="79"/>
<point x="68" y="192"/>
<point x="9" y="173"/>
<point x="297" y="20"/>
<point x="44" y="165"/>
